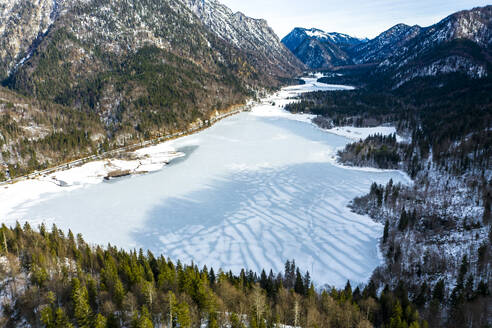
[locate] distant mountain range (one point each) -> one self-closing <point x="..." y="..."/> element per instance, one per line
<point x="459" y="43"/>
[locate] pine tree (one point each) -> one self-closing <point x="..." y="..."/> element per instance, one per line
<point x="235" y="322"/>
<point x="61" y="320"/>
<point x="348" y="290"/>
<point x="386" y="232"/>
<point x="299" y="285"/>
<point x="438" y="293"/>
<point x="421" y="297"/>
<point x="183" y="315"/>
<point x="403" y="223"/>
<point x="47" y="317"/>
<point x="100" y="321"/>
<point x="142" y="319"/>
<point x="396" y="317"/>
<point x="82" y="311"/>
<point x="263" y="279"/>
<point x="211" y="276"/>
<point x="307" y="281"/>
<point x="212" y="320"/>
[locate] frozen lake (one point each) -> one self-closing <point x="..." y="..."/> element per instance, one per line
<point x="252" y="191"/>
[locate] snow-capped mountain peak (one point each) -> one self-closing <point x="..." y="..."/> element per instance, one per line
<point x="317" y="48"/>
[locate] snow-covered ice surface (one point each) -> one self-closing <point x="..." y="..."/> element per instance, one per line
<point x="252" y="191"/>
<point x="356" y="133"/>
<point x="29" y="192"/>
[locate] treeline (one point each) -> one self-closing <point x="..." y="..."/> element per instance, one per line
<point x="437" y="233"/>
<point x="375" y="151"/>
<point x="451" y="116"/>
<point x="50" y="279"/>
<point x="418" y="246"/>
<point x="356" y="107"/>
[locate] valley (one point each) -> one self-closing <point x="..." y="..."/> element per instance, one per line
<point x="236" y="199"/>
<point x="174" y="163"/>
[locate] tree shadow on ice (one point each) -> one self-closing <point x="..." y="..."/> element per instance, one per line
<point x="260" y="218"/>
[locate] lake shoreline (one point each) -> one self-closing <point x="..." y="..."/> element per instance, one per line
<point x="275" y="187"/>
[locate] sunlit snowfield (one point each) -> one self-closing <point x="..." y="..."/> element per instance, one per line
<point x="252" y="191"/>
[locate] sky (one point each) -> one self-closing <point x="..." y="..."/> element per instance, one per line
<point x="355" y="17"/>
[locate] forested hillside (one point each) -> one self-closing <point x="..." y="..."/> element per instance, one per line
<point x="433" y="84"/>
<point x="50" y="279"/>
<point x="437" y="230"/>
<point x="127" y="70"/>
<point x="35" y="134"/>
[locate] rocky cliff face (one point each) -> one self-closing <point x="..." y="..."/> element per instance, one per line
<point x="22" y="22"/>
<point x="248" y="34"/>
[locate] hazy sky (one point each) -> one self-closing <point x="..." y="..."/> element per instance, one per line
<point x="356" y="17"/>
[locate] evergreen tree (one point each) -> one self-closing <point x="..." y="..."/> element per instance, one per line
<point x="299" y="284"/>
<point x="235" y="322"/>
<point x="212" y="277"/>
<point x="348" y="290"/>
<point x="100" y="321"/>
<point x="183" y="315"/>
<point x="142" y="319"/>
<point x="307" y="281"/>
<point x="82" y="311"/>
<point x="386" y="232"/>
<point x="62" y="320"/>
<point x="438" y="293"/>
<point x="403" y="223"/>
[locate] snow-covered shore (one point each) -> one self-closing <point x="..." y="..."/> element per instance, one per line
<point x="141" y="161"/>
<point x="154" y="158"/>
<point x="253" y="191"/>
<point x="274" y="104"/>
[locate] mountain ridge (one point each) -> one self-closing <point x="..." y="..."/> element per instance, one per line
<point x="319" y="49"/>
<point x="250" y="34"/>
<point x="133" y="69"/>
<point x="405" y="52"/>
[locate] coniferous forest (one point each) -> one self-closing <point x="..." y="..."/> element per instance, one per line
<point x="52" y="279"/>
<point x="446" y="151"/>
<point x="81" y="78"/>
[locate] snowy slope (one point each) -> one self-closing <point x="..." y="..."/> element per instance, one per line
<point x="318" y="49"/>
<point x="459" y="43"/>
<point x="385" y="44"/>
<point x="22" y="22"/>
<point x="249" y="34"/>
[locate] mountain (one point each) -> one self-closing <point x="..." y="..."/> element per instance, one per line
<point x="318" y="49"/>
<point x="142" y="66"/>
<point x="251" y="35"/>
<point x="385" y="44"/>
<point x="136" y="68"/>
<point x="460" y="43"/>
<point x="298" y="35"/>
<point x="22" y="22"/>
